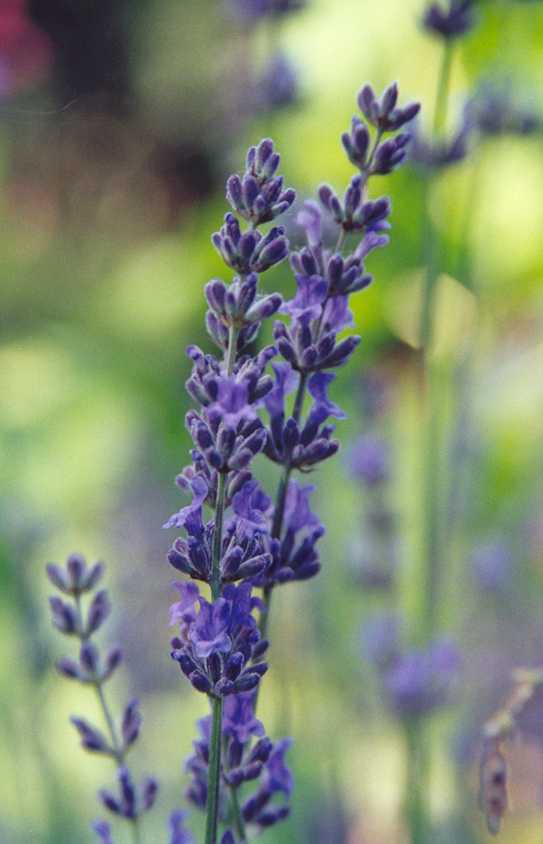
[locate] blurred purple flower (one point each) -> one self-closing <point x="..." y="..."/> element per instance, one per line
<point x="277" y="86"/>
<point x="491" y="565"/>
<point x="369" y="460"/>
<point x="421" y="681"/>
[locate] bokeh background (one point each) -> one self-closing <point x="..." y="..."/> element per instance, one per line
<point x="118" y="125"/>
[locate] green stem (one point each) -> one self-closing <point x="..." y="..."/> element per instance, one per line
<point x="215" y="581"/>
<point x="238" y="817"/>
<point x="280" y="502"/>
<point x="214" y="768"/>
<point x="214" y="772"/>
<point x="416" y="751"/>
<point x="443" y="90"/>
<point x="430" y="430"/>
<point x="432" y="269"/>
<point x="415" y="780"/>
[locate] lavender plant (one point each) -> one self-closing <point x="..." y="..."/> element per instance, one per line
<point x="77" y="583"/>
<point x="249" y="542"/>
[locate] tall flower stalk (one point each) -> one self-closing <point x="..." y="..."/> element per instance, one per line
<point x="249" y="541"/>
<point x="447" y="21"/>
<point x="76" y="581"/>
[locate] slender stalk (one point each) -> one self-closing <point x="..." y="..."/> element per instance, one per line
<point x="417" y="757"/>
<point x="239" y="824"/>
<point x="214" y="770"/>
<point x="215" y="582"/>
<point x="430" y="440"/>
<point x="415" y="778"/>
<point x="214" y="775"/>
<point x="280" y="502"/>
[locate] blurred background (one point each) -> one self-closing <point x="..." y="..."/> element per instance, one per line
<point x="119" y="123"/>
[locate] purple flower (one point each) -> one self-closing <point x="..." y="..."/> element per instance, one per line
<point x="208" y="633"/>
<point x="259" y="195"/>
<point x="318" y="388"/>
<point x="232" y="403"/>
<point x="421" y="681"/>
<point x="285" y="382"/>
<point x="310" y="219"/>
<point x="384" y="113"/>
<point x="239" y="721"/>
<point x="295" y="557"/>
<point x="103" y="831"/>
<point x="183" y="612"/>
<point x="277" y="86"/>
<point x="179" y="834"/>
<point x="369" y="460"/>
<point x="220" y="648"/>
<point x="249" y="759"/>
<point x="278" y="774"/>
<point x="310" y="296"/>
<point x="380" y="637"/>
<point x="251" y="505"/>
<point x="191" y="515"/>
<point x="441" y="153"/>
<point x="492" y="566"/>
<point x="450" y="19"/>
<point x="495" y="110"/>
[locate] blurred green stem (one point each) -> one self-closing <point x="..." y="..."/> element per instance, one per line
<point x="415" y="781"/>
<point x="430" y="428"/>
<point x="416" y="748"/>
<point x="214" y="770"/>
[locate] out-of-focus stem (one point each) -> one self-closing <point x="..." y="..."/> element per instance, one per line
<point x="214" y="769"/>
<point x="430" y="430"/>
<point x="415" y="782"/>
<point x="416" y="748"/>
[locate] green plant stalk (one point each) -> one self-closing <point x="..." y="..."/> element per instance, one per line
<point x="415" y="781"/>
<point x="417" y="756"/>
<point x="430" y="438"/>
<point x="280" y="502"/>
<point x="214" y="770"/>
<point x="239" y="824"/>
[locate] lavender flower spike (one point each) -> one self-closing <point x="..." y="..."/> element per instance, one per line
<point x="450" y="20"/>
<point x="77" y="580"/>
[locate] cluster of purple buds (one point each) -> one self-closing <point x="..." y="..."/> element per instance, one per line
<point x="294" y="556"/>
<point x="414" y="682"/>
<point x="325" y="278"/>
<point x="249" y="758"/>
<point x="290" y="442"/>
<point x="278" y="85"/>
<point x="259" y="196"/>
<point x="440" y="153"/>
<point x="494" y="111"/>
<point x="219" y="647"/>
<point x="77" y="582"/>
<point x="451" y="19"/>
